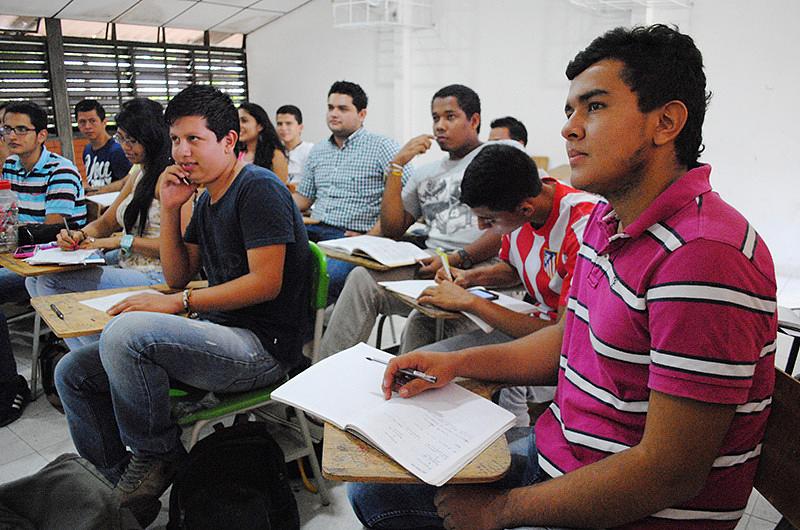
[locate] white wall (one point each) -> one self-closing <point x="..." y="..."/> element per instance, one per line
<point x="514" y="52"/>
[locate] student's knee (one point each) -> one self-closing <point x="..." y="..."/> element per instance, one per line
<point x="122" y="335"/>
<point x="74" y="370"/>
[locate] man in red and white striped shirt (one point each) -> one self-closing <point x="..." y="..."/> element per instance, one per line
<point x="665" y="359"/>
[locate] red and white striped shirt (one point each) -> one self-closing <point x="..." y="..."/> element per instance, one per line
<point x="681" y="302"/>
<point x="545" y="257"/>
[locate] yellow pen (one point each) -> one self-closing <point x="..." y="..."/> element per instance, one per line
<point x="445" y="263"/>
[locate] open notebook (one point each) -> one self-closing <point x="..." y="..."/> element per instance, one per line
<point x="383" y="250"/>
<point x="414" y="288"/>
<point x="433" y="435"/>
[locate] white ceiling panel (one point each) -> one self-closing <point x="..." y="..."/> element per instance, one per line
<point x="203" y="16"/>
<point x="30" y="8"/>
<point x="99" y="11"/>
<point x="155" y="12"/>
<point x="237" y="3"/>
<point x="246" y="21"/>
<point x="277" y="5"/>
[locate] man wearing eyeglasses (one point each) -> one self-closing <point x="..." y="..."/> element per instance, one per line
<point x="104" y="160"/>
<point x="49" y="190"/>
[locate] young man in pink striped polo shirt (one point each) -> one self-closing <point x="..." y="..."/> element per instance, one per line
<point x="664" y="362"/>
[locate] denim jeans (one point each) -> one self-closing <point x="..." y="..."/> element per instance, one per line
<point x="91" y="279"/>
<point x="115" y="392"/>
<point x="337" y="270"/>
<point x="12" y="289"/>
<point x="389" y="506"/>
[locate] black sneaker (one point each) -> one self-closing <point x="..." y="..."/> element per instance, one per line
<point x="13" y="400"/>
<point x="146" y="477"/>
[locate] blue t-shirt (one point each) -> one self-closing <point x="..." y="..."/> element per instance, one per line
<point x="106" y="165"/>
<point x="256" y="211"/>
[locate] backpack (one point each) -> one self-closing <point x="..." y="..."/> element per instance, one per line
<point x="234" y="478"/>
<point x="52" y="352"/>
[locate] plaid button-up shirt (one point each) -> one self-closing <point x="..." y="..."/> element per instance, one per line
<point x="347" y="184"/>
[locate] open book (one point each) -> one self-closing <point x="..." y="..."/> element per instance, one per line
<point x="414" y="288"/>
<point x="56" y="256"/>
<point x="383" y="250"/>
<point x="433" y="435"/>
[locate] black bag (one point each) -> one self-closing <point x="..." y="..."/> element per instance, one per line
<point x="36" y="233"/>
<point x="234" y="478"/>
<point x="52" y="352"/>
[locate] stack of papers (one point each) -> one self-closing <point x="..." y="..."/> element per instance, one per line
<point x="414" y="288"/>
<point x="56" y="256"/>
<point x="103" y="199"/>
<point x="433" y="435"/>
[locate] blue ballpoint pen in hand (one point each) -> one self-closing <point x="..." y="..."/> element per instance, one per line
<point x="407" y="372"/>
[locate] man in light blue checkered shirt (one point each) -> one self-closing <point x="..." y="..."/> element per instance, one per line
<point x="344" y="176"/>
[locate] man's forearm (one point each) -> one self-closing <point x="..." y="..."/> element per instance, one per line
<point x="393" y="214"/>
<point x="508" y="321"/>
<point x="530" y="360"/>
<point x="173" y="251"/>
<point x="485" y="247"/>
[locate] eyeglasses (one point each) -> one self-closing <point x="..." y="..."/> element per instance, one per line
<point x="19" y="130"/>
<point x="121" y="140"/>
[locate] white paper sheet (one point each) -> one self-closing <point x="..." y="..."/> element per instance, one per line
<point x="103" y="303"/>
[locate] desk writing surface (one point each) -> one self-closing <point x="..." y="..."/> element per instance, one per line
<point x="310" y="221"/>
<point x="23" y="268"/>
<point x="427" y="310"/>
<point x="347" y="458"/>
<point x="357" y="260"/>
<point x="788" y="318"/>
<point x="79" y="319"/>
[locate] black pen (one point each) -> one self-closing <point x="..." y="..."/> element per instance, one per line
<point x="408" y="372"/>
<point x="58" y="313"/>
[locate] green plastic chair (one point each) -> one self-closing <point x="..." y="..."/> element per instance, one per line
<point x="232" y="404"/>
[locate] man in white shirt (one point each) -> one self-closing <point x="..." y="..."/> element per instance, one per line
<point x="289" y="122"/>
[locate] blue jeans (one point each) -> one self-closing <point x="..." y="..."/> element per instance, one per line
<point x="12" y="289"/>
<point x="385" y="506"/>
<point x="91" y="279"/>
<point x="115" y="392"/>
<point x="337" y="270"/>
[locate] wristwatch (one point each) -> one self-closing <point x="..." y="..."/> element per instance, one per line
<point x="466" y="259"/>
<point x="126" y="243"/>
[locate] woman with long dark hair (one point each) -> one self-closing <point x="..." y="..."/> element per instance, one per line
<point x="259" y="142"/>
<point x="144" y="137"/>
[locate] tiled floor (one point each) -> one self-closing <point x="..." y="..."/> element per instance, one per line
<point x="41" y="434"/>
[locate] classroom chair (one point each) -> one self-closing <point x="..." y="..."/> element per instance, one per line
<point x="778" y="474"/>
<point x="254" y="401"/>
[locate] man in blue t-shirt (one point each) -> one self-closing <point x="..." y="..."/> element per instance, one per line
<point x="249" y="237"/>
<point x="105" y="161"/>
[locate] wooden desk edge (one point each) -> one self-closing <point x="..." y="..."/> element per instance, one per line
<point x="357" y="260"/>
<point x="428" y="311"/>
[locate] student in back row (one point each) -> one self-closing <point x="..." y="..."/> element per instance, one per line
<point x="248" y="236"/>
<point x="49" y="190"/>
<point x="103" y="158"/>
<point x="665" y="359"/>
<point x="433" y="193"/>
<point x="259" y="143"/>
<point x="289" y="124"/>
<point x="343" y="176"/>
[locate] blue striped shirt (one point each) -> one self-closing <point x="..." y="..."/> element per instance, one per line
<point x="53" y="186"/>
<point x="346" y="184"/>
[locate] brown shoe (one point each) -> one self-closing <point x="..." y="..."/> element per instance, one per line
<point x="145" y="478"/>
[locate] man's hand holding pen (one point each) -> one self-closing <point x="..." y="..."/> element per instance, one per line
<point x="434" y="364"/>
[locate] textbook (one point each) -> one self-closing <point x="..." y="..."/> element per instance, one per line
<point x="56" y="256"/>
<point x="381" y="249"/>
<point x="414" y="288"/>
<point x="433" y="435"/>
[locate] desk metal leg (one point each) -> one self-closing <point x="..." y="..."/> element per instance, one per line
<point x="439" y="329"/>
<point x="793" y="355"/>
<point x="37" y="327"/>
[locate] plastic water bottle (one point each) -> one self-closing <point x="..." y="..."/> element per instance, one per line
<point x="8" y="217"/>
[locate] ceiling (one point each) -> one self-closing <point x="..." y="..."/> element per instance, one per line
<point x="229" y="16"/>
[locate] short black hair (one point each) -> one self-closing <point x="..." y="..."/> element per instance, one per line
<point x="660" y="65"/>
<point x="350" y="89"/>
<point x="516" y="129"/>
<point x="206" y="102"/>
<point x="88" y="105"/>
<point x="467" y="99"/>
<point x="291" y="109"/>
<point x="499" y="178"/>
<point x="37" y="114"/>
